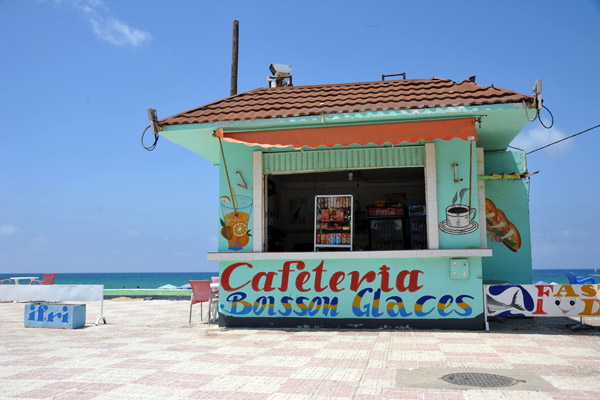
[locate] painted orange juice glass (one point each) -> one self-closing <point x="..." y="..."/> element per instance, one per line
<point x="235" y="222"/>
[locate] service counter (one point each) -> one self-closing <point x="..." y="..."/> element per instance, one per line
<point x="354" y="289"/>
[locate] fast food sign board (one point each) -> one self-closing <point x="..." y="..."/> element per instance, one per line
<point x="542" y="300"/>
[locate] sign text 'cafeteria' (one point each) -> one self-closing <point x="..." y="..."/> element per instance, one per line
<point x="375" y="293"/>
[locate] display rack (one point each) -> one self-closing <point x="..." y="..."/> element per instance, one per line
<point x="334" y="222"/>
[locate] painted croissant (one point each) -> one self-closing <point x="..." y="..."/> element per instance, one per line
<point x="502" y="229"/>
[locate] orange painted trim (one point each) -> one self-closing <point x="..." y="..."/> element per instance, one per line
<point x="395" y="133"/>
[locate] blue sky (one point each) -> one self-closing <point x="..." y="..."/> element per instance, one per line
<point x="78" y="193"/>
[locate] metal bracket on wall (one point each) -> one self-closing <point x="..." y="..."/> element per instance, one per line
<point x="243" y="184"/>
<point x="456" y="180"/>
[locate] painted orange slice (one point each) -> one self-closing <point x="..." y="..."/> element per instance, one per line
<point x="240" y="229"/>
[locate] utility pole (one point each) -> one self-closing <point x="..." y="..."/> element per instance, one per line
<point x="234" y="57"/>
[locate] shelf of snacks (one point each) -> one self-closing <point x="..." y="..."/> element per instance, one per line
<point x="333" y="222"/>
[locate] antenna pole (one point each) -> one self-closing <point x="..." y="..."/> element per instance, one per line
<point x="234" y="57"/>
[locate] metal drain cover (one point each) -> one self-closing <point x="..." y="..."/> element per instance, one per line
<point x="479" y="380"/>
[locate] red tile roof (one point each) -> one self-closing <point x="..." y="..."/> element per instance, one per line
<point x="289" y="101"/>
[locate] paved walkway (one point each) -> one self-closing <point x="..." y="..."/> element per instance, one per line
<point x="147" y="351"/>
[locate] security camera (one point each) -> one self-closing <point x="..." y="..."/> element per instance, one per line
<point x="280" y="70"/>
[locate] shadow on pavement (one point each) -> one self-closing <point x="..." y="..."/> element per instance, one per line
<point x="546" y="325"/>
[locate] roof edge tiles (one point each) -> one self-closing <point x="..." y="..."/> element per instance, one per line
<point x="325" y="99"/>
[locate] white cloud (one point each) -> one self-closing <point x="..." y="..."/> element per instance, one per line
<point x="147" y="251"/>
<point x="117" y="32"/>
<point x="105" y="26"/>
<point x="538" y="137"/>
<point x="564" y="233"/>
<point x="8" y="230"/>
<point x="133" y="232"/>
<point x="40" y="239"/>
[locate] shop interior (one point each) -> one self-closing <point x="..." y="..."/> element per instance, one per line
<point x="388" y="210"/>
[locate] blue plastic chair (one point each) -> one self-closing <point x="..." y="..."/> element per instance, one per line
<point x="579" y="280"/>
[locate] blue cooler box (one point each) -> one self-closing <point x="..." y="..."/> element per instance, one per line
<point x="54" y="315"/>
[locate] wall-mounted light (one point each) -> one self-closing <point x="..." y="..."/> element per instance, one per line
<point x="456" y="180"/>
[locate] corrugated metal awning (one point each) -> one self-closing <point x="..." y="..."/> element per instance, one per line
<point x="343" y="159"/>
<point x="379" y="134"/>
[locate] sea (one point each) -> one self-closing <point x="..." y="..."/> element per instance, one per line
<point x="123" y="280"/>
<point x="154" y="280"/>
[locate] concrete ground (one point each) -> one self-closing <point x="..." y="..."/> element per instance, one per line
<point x="147" y="351"/>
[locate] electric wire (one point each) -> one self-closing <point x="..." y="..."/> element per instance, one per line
<point x="149" y="148"/>
<point x="537" y="116"/>
<point x="551" y="116"/>
<point x="563" y="139"/>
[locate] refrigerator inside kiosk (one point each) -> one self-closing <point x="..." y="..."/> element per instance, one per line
<point x="333" y="222"/>
<point x="417" y="217"/>
<point x="386" y="228"/>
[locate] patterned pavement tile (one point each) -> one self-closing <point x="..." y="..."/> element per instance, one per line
<point x="143" y="363"/>
<point x="417" y="355"/>
<point x="13" y="388"/>
<point x="146" y="392"/>
<point x="217" y="358"/>
<point x="334" y="362"/>
<point x="288" y="396"/>
<point x="281" y="361"/>
<point x="481" y="348"/>
<point x="228" y="395"/>
<point x="206" y="368"/>
<point x="375" y="387"/>
<point x="575" y="383"/>
<point x="253" y="384"/>
<point x="533" y="359"/>
<point x="283" y="372"/>
<point x="49" y="373"/>
<point x="498" y="394"/>
<point x="401" y="393"/>
<point x="342" y="353"/>
<point x="304" y="344"/>
<point x="290" y="352"/>
<point x="4" y="372"/>
<point x="113" y="375"/>
<point x="148" y="351"/>
<point x="320" y="387"/>
<point x="175" y="379"/>
<point x="329" y="373"/>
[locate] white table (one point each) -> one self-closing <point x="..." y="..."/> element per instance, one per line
<point x="22" y="278"/>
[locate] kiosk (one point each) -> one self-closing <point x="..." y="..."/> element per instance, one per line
<point x="304" y="171"/>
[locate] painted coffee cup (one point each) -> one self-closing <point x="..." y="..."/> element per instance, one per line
<point x="459" y="215"/>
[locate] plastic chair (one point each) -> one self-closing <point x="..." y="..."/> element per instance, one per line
<point x="47" y="280"/>
<point x="579" y="280"/>
<point x="201" y="292"/>
<point x="6" y="280"/>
